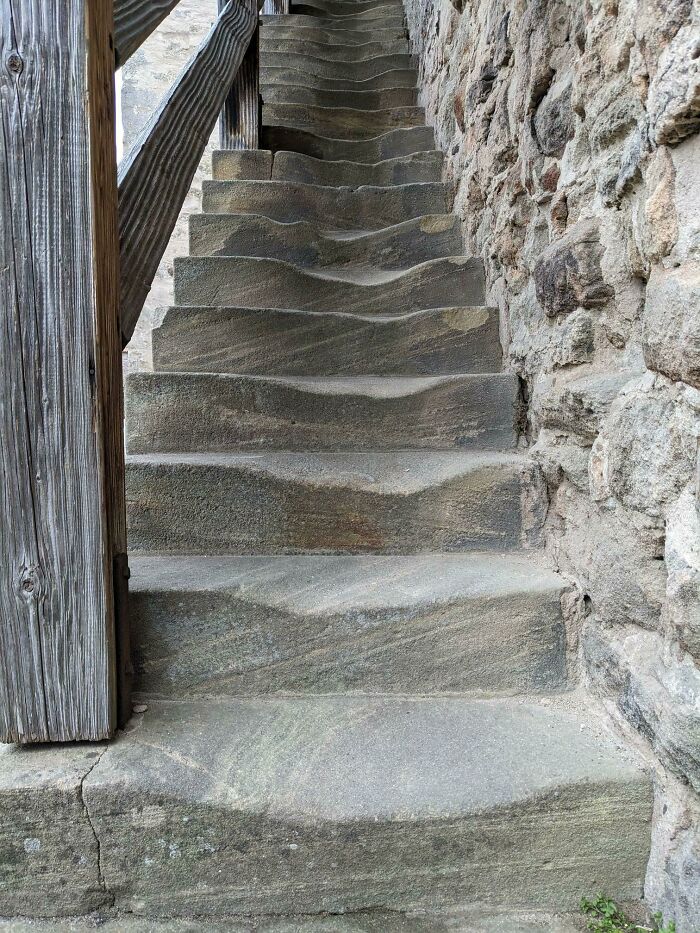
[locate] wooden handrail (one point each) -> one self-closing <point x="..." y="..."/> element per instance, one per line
<point x="134" y="21"/>
<point x="158" y="171"/>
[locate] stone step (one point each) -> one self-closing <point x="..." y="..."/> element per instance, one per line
<point x="202" y="412"/>
<point x="237" y="281"/>
<point x="330" y="11"/>
<point x="327" y="67"/>
<point x="315" y="30"/>
<point x="416" y="168"/>
<point x="382" y="99"/>
<point x="457" y="920"/>
<point x="302" y="243"/>
<point x="325" y="804"/>
<point x="299" y="76"/>
<point x="366" y="208"/>
<point x="327" y="50"/>
<point x="391" y="145"/>
<point x="440" y="623"/>
<point x="381" y="21"/>
<point x="342" y="122"/>
<point x="401" y="502"/>
<point x="308" y="343"/>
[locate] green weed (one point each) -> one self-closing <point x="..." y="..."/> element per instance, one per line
<point x="604" y="916"/>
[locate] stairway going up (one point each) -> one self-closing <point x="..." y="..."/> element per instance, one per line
<point x="352" y="654"/>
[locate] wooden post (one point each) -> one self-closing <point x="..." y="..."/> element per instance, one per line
<point x="276" y="7"/>
<point x="62" y="516"/>
<point x="239" y="125"/>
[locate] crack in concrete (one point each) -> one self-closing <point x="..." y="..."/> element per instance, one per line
<point x="110" y="897"/>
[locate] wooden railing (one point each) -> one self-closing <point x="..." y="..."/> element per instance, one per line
<point x="79" y="247"/>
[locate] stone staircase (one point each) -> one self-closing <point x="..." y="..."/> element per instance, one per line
<point x="352" y="655"/>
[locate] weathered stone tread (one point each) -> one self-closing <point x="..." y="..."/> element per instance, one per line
<point x="390" y="145"/>
<point x="260" y="283"/>
<point x="449" y="792"/>
<point x="296" y="74"/>
<point x="381" y="99"/>
<point x="325" y="67"/>
<point x="305" y="244"/>
<point x="375" y="502"/>
<point x="201" y="412"/>
<point x="323" y="48"/>
<point x="308" y="625"/>
<point x="342" y="122"/>
<point x="309" y="343"/>
<point x="364" y="208"/>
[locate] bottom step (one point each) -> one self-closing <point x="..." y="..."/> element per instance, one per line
<point x="366" y="921"/>
<point x="326" y="804"/>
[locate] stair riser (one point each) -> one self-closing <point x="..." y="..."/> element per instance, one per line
<point x="328" y="50"/>
<point x="240" y="340"/>
<point x="190" y="509"/>
<point x="259" y="283"/>
<point x="384" y="21"/>
<point x="171" y="413"/>
<point x="325" y="67"/>
<point x="361" y="100"/>
<point x="342" y="123"/>
<point x="349" y="12"/>
<point x="263" y="874"/>
<point x="398" y="247"/>
<point x="341" y="209"/>
<point x="296" y="76"/>
<point x="334" y="35"/>
<point x="423" y="167"/>
<point x="223" y="643"/>
<point x="391" y="145"/>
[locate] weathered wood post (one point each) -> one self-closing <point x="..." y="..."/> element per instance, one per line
<point x="63" y="647"/>
<point x="274" y="7"/>
<point x="239" y="125"/>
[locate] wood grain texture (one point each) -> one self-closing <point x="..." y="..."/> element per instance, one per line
<point x="134" y="21"/>
<point x="273" y="7"/>
<point x="157" y="173"/>
<point x="239" y="125"/>
<point x="61" y="462"/>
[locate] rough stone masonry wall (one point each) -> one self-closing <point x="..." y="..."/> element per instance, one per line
<point x="571" y="133"/>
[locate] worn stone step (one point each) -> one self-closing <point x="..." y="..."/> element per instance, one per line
<point x="202" y="412"/>
<point x="416" y="168"/>
<point x="348" y="70"/>
<point x="271" y="76"/>
<point x="301" y="28"/>
<point x="391" y="145"/>
<point x="456" y="920"/>
<point x="304" y="244"/>
<point x="236" y="281"/>
<point x="440" y="623"/>
<point x="364" y="208"/>
<point x="382" y="99"/>
<point x="325" y="804"/>
<point x="342" y="122"/>
<point x="330" y="49"/>
<point x="330" y="11"/>
<point x="381" y="20"/>
<point x="401" y="502"/>
<point x="308" y="343"/>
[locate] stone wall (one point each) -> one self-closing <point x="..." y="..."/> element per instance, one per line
<point x="145" y="78"/>
<point x="571" y="130"/>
